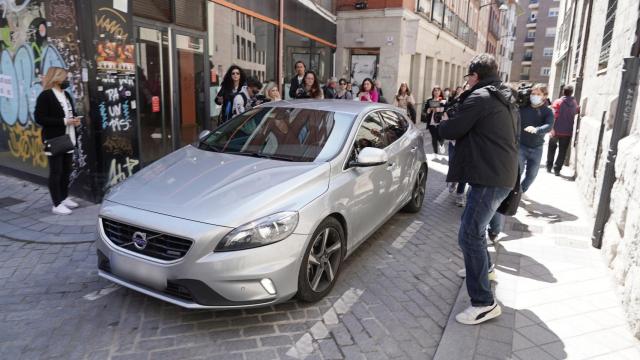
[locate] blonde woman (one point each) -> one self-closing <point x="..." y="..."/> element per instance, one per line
<point x="55" y="113"/>
<point x="405" y="101"/>
<point x="271" y="92"/>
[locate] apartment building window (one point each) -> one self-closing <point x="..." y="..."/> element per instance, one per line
<point x="249" y="54"/>
<point x="438" y="11"/>
<point x="547" y="52"/>
<point x="550" y="32"/>
<point x="607" y="35"/>
<point x="545" y="71"/>
<point x="237" y="46"/>
<point x="533" y="16"/>
<point x="244" y="49"/>
<point x="553" y="12"/>
<point x="424" y="6"/>
<point x="531" y="35"/>
<point x="525" y="73"/>
<point x="528" y="55"/>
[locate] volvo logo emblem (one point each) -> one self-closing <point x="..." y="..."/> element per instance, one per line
<point x="139" y="240"/>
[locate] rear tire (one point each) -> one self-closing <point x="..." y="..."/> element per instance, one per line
<point x="322" y="261"/>
<point x="418" y="193"/>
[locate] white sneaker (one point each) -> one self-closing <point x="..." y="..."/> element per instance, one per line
<point x="61" y="210"/>
<point x="460" y="200"/>
<point x="70" y="203"/>
<point x="492" y="273"/>
<point x="478" y="314"/>
<point x="451" y="186"/>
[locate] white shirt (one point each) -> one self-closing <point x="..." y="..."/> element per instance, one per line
<point x="68" y="114"/>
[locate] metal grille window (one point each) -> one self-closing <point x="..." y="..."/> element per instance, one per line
<point x="607" y="35"/>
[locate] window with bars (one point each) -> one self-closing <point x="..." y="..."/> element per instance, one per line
<point x="545" y="71"/>
<point x="607" y="34"/>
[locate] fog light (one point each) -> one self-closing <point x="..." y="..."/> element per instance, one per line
<point x="267" y="284"/>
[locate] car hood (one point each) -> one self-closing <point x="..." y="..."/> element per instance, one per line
<point x="221" y="189"/>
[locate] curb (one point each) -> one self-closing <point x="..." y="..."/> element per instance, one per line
<point x="458" y="340"/>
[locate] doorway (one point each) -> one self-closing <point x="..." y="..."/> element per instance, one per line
<point x="171" y="89"/>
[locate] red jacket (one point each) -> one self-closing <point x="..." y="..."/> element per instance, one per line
<point x="564" y="111"/>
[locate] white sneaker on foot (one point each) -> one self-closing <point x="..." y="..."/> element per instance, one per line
<point x="61" y="210"/>
<point x="492" y="273"/>
<point x="70" y="203"/>
<point x="452" y="186"/>
<point x="478" y="314"/>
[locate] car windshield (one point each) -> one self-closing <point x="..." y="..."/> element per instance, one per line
<point x="290" y="134"/>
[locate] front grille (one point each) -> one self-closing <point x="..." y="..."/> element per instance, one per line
<point x="160" y="246"/>
<point x="178" y="291"/>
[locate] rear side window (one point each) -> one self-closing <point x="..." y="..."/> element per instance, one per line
<point x="395" y="126"/>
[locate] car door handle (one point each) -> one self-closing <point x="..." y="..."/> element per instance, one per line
<point x="413" y="149"/>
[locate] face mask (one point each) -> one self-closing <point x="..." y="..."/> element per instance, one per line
<point x="64" y="84"/>
<point x="536" y="100"/>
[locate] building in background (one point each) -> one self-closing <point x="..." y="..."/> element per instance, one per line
<point x="143" y="73"/>
<point x="506" y="41"/>
<point x="535" y="35"/>
<point x="423" y="43"/>
<point x="594" y="41"/>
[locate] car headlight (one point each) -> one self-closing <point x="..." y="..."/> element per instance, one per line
<point x="264" y="231"/>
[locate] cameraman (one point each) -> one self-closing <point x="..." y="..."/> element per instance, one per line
<point x="485" y="130"/>
<point x="536" y="120"/>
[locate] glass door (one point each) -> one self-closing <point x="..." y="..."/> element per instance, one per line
<point x="154" y="100"/>
<point x="189" y="85"/>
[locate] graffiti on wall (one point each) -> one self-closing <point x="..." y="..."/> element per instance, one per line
<point x="116" y="104"/>
<point x="34" y="36"/>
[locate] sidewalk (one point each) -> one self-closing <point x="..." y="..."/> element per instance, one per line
<point x="558" y="298"/>
<point x="25" y="215"/>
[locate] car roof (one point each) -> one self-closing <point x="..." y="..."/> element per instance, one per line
<point x="342" y="106"/>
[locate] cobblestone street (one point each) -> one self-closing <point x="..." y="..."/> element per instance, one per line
<point x="392" y="300"/>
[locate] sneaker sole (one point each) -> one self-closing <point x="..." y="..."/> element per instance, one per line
<point x="492" y="314"/>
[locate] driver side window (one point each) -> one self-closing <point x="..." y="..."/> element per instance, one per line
<point x="370" y="133"/>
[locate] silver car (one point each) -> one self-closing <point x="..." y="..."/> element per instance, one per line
<point x="265" y="207"/>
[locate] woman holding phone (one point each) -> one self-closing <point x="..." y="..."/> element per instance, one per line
<point x="55" y="113"/>
<point x="434" y="110"/>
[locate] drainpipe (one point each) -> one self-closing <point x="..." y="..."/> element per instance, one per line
<point x="280" y="68"/>
<point x="624" y="114"/>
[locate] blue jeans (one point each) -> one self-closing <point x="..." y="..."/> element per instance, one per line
<point x="482" y="203"/>
<point x="529" y="164"/>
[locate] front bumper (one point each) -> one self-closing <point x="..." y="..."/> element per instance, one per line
<point x="202" y="278"/>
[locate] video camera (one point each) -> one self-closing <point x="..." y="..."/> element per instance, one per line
<point x="523" y="95"/>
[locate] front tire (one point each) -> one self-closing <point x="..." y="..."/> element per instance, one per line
<point x="418" y="192"/>
<point x="321" y="261"/>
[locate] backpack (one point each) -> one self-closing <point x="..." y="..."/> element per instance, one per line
<point x="228" y="110"/>
<point x="509" y="205"/>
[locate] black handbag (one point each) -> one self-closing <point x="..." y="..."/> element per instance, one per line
<point x="58" y="145"/>
<point x="509" y="205"/>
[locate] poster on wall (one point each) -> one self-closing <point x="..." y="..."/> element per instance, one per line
<point x="114" y="51"/>
<point x="362" y="67"/>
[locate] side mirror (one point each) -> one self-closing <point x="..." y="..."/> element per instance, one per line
<point x="370" y="156"/>
<point x="203" y="134"/>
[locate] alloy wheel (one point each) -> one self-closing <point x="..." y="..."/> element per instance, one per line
<point x="419" y="188"/>
<point x="324" y="260"/>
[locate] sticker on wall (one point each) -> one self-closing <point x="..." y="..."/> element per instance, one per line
<point x="155" y="104"/>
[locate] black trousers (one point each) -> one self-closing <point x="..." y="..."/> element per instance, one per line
<point x="60" y="167"/>
<point x="562" y="144"/>
<point x="435" y="138"/>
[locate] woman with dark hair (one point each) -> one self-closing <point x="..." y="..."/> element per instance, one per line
<point x="55" y="113"/>
<point x="310" y="87"/>
<point x="434" y="110"/>
<point x="368" y="91"/>
<point x="234" y="79"/>
<point x="343" y="92"/>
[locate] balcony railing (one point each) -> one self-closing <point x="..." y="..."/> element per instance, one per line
<point x="532" y="21"/>
<point x="527" y="57"/>
<point x="529" y="39"/>
<point x="524" y="76"/>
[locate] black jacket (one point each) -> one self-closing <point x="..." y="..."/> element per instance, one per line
<point x="50" y="115"/>
<point x="295" y="84"/>
<point x="486" y="133"/>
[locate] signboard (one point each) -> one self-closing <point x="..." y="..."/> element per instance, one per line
<point x="155" y="104"/>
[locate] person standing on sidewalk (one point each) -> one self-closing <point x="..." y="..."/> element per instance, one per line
<point x="565" y="110"/>
<point x="485" y="129"/>
<point x="536" y="120"/>
<point x="55" y="113"/>
<point x="297" y="81"/>
<point x="433" y="111"/>
<point x="234" y="79"/>
<point x="343" y="92"/>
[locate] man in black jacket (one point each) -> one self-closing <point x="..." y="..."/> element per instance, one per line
<point x="298" y="79"/>
<point x="486" y="132"/>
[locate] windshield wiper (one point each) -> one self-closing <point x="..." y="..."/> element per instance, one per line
<point x="208" y="146"/>
<point x="260" y="155"/>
